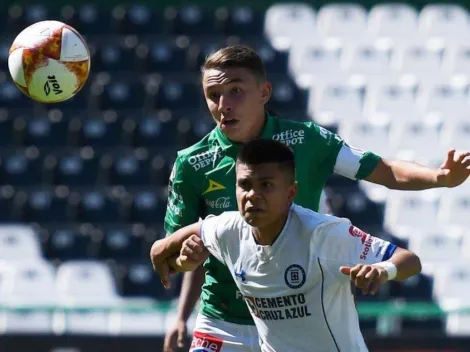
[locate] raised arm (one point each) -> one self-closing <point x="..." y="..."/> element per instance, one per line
<point x="368" y="277"/>
<point x="165" y="252"/>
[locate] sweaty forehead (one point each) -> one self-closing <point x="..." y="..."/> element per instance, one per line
<point x="217" y="77"/>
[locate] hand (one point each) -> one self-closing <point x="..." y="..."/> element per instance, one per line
<point x="455" y="170"/>
<point x="174" y="338"/>
<point x="366" y="277"/>
<point x="193" y="250"/>
<point x="159" y="262"/>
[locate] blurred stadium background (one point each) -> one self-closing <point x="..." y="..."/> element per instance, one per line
<point x="83" y="183"/>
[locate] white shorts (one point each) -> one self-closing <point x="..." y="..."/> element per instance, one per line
<point x="219" y="336"/>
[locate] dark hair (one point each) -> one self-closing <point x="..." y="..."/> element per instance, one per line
<point x="236" y="56"/>
<point x="260" y="151"/>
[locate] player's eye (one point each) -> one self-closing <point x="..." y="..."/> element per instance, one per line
<point x="243" y="184"/>
<point x="235" y="91"/>
<point x="214" y="96"/>
<point x="267" y="184"/>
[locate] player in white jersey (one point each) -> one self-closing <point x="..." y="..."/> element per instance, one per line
<point x="293" y="266"/>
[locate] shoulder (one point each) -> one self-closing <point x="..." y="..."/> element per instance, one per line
<point x="229" y="220"/>
<point x="308" y="131"/>
<point x="310" y="220"/>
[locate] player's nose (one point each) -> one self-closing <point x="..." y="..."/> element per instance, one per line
<point x="225" y="104"/>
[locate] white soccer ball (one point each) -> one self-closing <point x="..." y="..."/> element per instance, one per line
<point x="49" y="61"/>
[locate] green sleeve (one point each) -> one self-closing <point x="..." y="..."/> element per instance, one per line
<point x="183" y="199"/>
<point x="368" y="163"/>
<point x="326" y="146"/>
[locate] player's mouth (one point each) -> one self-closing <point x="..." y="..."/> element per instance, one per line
<point x="254" y="210"/>
<point x="228" y="122"/>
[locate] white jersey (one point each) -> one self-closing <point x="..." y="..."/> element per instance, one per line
<point x="296" y="294"/>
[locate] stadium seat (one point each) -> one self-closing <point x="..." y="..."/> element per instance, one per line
<point x="315" y="63"/>
<point x="438" y="246"/>
<point x="454" y="208"/>
<point x="45" y="131"/>
<point x="147" y="205"/>
<point x="21" y="167"/>
<point x="451" y="285"/>
<point x="444" y="99"/>
<point x="286" y="24"/>
<point x="346" y="21"/>
<point x="240" y="20"/>
<point x="86" y="282"/>
<point x="286" y="95"/>
<point x="6" y="129"/>
<point x="406" y="210"/>
<point x="12" y="97"/>
<point x="365" y="59"/>
<point x="18" y="242"/>
<point x="456" y="60"/>
<point x="129" y="167"/>
<point x="120" y="243"/>
<point x="69" y="242"/>
<point x="334" y="103"/>
<point x="138" y="280"/>
<point x="123" y="92"/>
<point x="189" y="20"/>
<point x="136" y="19"/>
<point x="36" y="13"/>
<point x="162" y="55"/>
<point x="393" y="20"/>
<point x="415" y="139"/>
<point x="176" y="93"/>
<point x="449" y="21"/>
<point x="46" y="204"/>
<point x="28" y="283"/>
<point x="458" y="325"/>
<point x="138" y="323"/>
<point x="155" y="129"/>
<point x="455" y="134"/>
<point x="73" y="167"/>
<point x="417" y="60"/>
<point x="88" y="19"/>
<point x="5" y="44"/>
<point x="114" y="54"/>
<point x="99" y="206"/>
<point x="394" y="100"/>
<point x="7" y="204"/>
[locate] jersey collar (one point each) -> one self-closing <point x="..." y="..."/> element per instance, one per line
<point x="267" y="132"/>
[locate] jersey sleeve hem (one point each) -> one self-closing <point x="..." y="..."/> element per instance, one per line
<point x="368" y="163"/>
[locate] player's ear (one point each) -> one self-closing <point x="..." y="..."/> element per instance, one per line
<point x="266" y="91"/>
<point x="293" y="188"/>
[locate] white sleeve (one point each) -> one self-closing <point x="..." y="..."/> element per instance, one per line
<point x="210" y="236"/>
<point x="348" y="161"/>
<point x="345" y="244"/>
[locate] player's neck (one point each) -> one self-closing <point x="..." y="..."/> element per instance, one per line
<point x="267" y="235"/>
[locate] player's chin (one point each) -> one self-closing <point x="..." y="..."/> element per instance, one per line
<point x="255" y="219"/>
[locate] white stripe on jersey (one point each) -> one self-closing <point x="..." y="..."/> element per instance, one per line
<point x="348" y="161"/>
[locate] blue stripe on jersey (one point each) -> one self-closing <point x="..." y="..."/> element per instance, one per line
<point x="389" y="252"/>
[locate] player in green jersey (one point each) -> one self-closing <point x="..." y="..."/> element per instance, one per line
<point x="203" y="178"/>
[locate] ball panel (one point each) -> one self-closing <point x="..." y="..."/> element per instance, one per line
<point x="73" y="46"/>
<point x="52" y="83"/>
<point x="43" y="37"/>
<point x="15" y="65"/>
<point x="81" y="71"/>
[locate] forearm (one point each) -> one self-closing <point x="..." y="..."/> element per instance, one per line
<point x="190" y="292"/>
<point x="404" y="175"/>
<point x="407" y="263"/>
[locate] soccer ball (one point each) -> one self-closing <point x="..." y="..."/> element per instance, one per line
<point x="49" y="61"/>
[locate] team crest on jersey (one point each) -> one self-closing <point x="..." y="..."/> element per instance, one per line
<point x="356" y="232"/>
<point x="294" y="276"/>
<point x="205" y="343"/>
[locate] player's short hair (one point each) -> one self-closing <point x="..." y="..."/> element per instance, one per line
<point x="236" y="56"/>
<point x="261" y="151"/>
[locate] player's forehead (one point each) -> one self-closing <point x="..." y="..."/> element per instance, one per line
<point x="217" y="77"/>
<point x="258" y="171"/>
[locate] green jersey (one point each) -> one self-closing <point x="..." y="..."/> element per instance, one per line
<point x="203" y="182"/>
